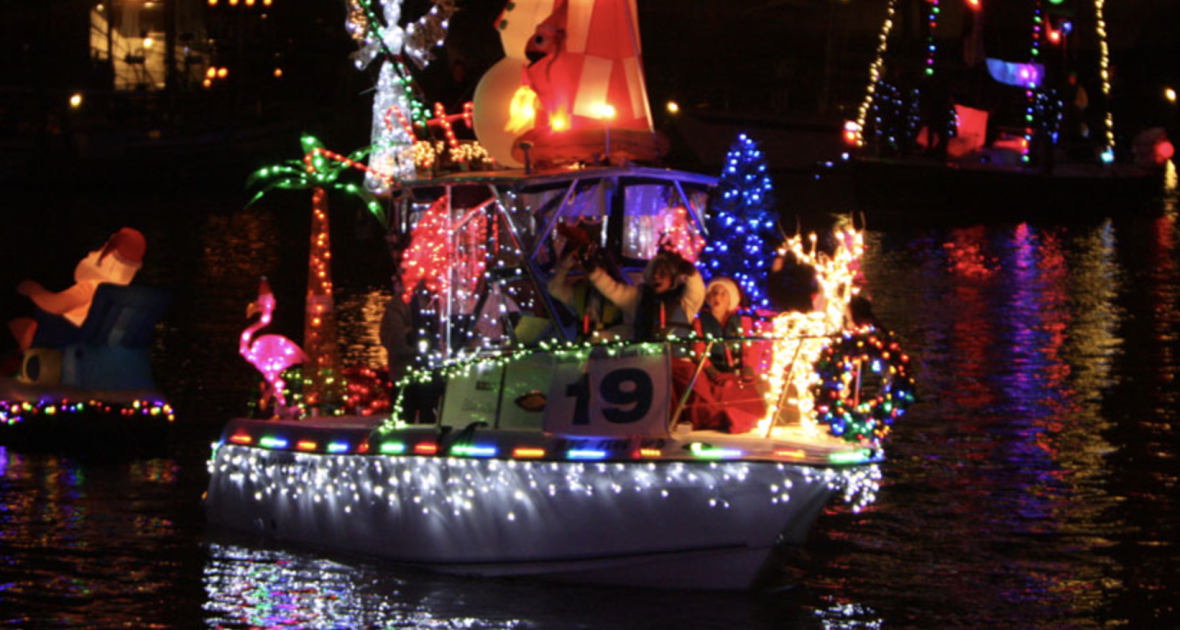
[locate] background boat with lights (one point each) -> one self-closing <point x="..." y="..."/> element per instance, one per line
<point x="94" y="395"/>
<point x="978" y="109"/>
<point x="523" y="441"/>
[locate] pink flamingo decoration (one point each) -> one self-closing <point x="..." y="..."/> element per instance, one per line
<point x="271" y="354"/>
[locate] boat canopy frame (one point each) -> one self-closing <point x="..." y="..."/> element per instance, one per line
<point x="522" y="211"/>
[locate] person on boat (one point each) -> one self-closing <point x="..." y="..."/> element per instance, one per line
<point x="403" y="335"/>
<point x="397" y="333"/>
<point x="663" y="305"/>
<point x="60" y="315"/>
<point x="725" y="396"/>
<point x="593" y="311"/>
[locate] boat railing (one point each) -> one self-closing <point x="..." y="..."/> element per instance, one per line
<point x="622" y="387"/>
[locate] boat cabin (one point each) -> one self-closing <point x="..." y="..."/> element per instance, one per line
<point x="502" y="242"/>
<point x="483" y="250"/>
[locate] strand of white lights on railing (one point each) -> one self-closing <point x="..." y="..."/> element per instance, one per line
<point x="1104" y="72"/>
<point x="875" y="70"/>
<point x="454" y="487"/>
<point x="501" y="270"/>
<point x="799" y="338"/>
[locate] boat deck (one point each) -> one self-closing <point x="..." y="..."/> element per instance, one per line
<point x="358" y="435"/>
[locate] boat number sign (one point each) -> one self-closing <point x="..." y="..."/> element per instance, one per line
<point x="622" y="395"/>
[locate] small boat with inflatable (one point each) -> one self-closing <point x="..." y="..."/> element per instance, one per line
<point x="94" y="396"/>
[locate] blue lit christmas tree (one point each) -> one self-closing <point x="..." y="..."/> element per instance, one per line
<point x="743" y="232"/>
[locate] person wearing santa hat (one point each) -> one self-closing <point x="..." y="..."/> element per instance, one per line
<point x="727" y="398"/>
<point x="62" y="313"/>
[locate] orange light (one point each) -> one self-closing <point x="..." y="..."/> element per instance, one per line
<point x="426" y="448"/>
<point x="305" y="445"/>
<point x="278" y="73"/>
<point x="222" y="73"/>
<point x="241" y="438"/>
<point x="528" y="452"/>
<point x="795" y="454"/>
<point x="522" y="111"/>
<point x="650" y="452"/>
<point x="211" y="72"/>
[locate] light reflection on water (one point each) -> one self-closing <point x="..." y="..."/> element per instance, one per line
<point x="257" y="586"/>
<point x="1033" y="486"/>
<point x="84" y="546"/>
<point x="1004" y="484"/>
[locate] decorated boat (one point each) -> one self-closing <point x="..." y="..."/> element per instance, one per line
<point x="533" y="435"/>
<point x="82" y="382"/>
<point x="1014" y="118"/>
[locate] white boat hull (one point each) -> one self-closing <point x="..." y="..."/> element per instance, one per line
<point x="677" y="524"/>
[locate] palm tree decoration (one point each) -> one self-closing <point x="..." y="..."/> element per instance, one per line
<point x="320" y="171"/>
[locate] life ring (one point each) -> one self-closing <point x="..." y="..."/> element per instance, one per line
<point x="864" y="385"/>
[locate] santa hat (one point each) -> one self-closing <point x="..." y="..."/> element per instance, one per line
<point x="127" y="245"/>
<point x="731" y="289"/>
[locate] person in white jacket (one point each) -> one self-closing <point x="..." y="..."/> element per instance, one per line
<point x="663" y="305"/>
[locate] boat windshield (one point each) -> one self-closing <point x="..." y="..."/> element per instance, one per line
<point x="496" y="245"/>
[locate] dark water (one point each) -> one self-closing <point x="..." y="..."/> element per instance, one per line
<point x="1033" y="486"/>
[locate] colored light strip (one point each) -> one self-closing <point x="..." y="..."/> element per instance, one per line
<point x="426" y="448"/>
<point x="241" y="438"/>
<point x="795" y="454"/>
<point x="650" y="452"/>
<point x="272" y="442"/>
<point x="338" y="447"/>
<point x="707" y="452"/>
<point x="526" y="453"/>
<point x="306" y="445"/>
<point x="586" y="453"/>
<point x="470" y="450"/>
<point x="851" y="457"/>
<point x="393" y="448"/>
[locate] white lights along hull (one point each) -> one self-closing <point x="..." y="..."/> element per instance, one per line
<point x="708" y="524"/>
